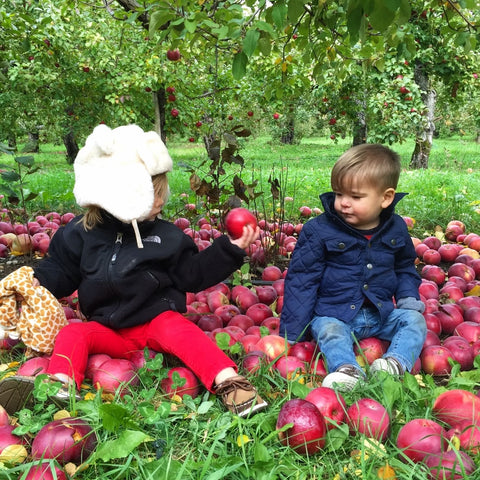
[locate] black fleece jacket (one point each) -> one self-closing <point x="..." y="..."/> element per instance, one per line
<point x="121" y="285"/>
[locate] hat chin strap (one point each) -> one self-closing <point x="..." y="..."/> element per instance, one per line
<point x="137" y="233"/>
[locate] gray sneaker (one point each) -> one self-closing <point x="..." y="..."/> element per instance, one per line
<point x="388" y="364"/>
<point x="343" y="378"/>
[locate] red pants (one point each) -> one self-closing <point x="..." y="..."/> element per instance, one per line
<point x="170" y="332"/>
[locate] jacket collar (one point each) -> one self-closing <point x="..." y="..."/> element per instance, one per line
<point x="328" y="200"/>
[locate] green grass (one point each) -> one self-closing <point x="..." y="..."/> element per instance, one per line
<point x="448" y="189"/>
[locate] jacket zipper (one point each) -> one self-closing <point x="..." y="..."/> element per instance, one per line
<point x="117" y="246"/>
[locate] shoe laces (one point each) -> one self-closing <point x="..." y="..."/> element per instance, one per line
<point x="232" y="385"/>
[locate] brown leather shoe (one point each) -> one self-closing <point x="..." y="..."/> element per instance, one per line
<point x="240" y="396"/>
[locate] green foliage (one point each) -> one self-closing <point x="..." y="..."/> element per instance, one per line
<point x="16" y="196"/>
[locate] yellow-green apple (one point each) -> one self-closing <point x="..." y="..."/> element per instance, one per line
<point x="421" y="437"/>
<point x="307" y="435"/>
<point x="330" y="403"/>
<point x="370" y="418"/>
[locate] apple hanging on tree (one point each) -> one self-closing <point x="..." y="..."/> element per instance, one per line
<point x="173" y="55"/>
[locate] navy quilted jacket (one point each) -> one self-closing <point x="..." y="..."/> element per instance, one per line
<point x="334" y="269"/>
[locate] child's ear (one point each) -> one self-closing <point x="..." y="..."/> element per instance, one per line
<point x="388" y="196"/>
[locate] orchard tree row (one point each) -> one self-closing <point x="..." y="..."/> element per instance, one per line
<point x="373" y="71"/>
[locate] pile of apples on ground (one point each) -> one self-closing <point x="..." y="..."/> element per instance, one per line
<point x="449" y="263"/>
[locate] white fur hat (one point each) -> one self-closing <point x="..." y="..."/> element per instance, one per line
<point x="114" y="171"/>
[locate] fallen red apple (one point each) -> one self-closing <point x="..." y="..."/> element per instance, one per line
<point x="432" y="242"/>
<point x="273" y="346"/>
<point x="45" y="471"/>
<point x="66" y="440"/>
<point x="181" y="381"/>
<point x="271" y="273"/>
<point x="227" y="312"/>
<point x="370" y="349"/>
<point x="454" y="406"/>
<point x="266" y="294"/>
<point x="258" y="312"/>
<point x="308" y="433"/>
<point x="34" y="366"/>
<point x="330" y="403"/>
<point x="254" y="361"/>
<point x="115" y="375"/>
<point x="421" y="437"/>
<point x="435" y="360"/>
<point x="369" y="417"/>
<point x="450" y="465"/>
<point x="290" y="367"/>
<point x="303" y="350"/>
<point x="238" y="218"/>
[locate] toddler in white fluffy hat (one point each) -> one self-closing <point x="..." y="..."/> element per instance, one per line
<point x="132" y="271"/>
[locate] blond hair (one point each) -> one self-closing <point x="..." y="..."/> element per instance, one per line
<point x="372" y="164"/>
<point x="93" y="213"/>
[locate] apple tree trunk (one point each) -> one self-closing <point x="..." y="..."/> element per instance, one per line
<point x="159" y="102"/>
<point x="360" y="124"/>
<point x="33" y="143"/>
<point x="424" y="138"/>
<point x="71" y="146"/>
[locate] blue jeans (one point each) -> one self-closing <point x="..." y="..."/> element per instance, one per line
<point x="405" y="329"/>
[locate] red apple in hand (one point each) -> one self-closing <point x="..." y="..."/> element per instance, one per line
<point x="238" y="218"/>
